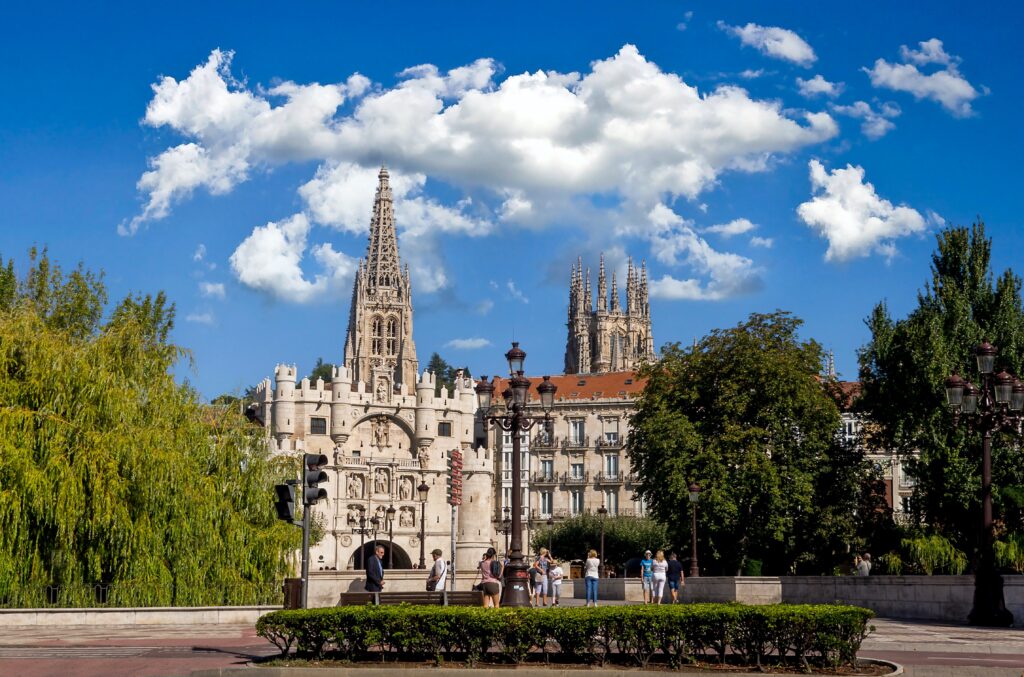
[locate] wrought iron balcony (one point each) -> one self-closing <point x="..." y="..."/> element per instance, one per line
<point x="545" y="478"/>
<point x="633" y="478"/>
<point x="545" y="442"/>
<point x="575" y="478"/>
<point x="609" y="478"/>
<point x="603" y="443"/>
<point x="576" y="442"/>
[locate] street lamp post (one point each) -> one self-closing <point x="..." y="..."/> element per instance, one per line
<point x="362" y="530"/>
<point x="391" y="536"/>
<point x="506" y="528"/>
<point x="694" y="497"/>
<point x="995" y="406"/>
<point x="515" y="592"/>
<point x="602" y="511"/>
<point x="423" y="490"/>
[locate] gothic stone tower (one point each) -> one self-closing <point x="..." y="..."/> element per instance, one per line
<point x="379" y="350"/>
<point x="611" y="338"/>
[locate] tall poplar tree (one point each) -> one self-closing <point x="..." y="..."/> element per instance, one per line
<point x="903" y="368"/>
<point x="116" y="484"/>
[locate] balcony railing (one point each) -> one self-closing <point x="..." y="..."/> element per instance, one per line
<point x="604" y="443"/>
<point x="575" y="478"/>
<point x="545" y="478"/>
<point x="609" y="478"/>
<point x="577" y="442"/>
<point x="632" y="478"/>
<point x="545" y="442"/>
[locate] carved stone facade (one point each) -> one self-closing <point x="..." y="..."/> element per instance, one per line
<point x="611" y="338"/>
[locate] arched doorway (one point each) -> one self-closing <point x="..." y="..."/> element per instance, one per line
<point x="399" y="558"/>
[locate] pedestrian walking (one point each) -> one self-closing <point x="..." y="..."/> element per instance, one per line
<point x="556" y="582"/>
<point x="591" y="571"/>
<point x="647" y="576"/>
<point x="864" y="564"/>
<point x="675" y="576"/>
<point x="659" y="571"/>
<point x="375" y="571"/>
<point x="490" y="571"/>
<point x="438" y="572"/>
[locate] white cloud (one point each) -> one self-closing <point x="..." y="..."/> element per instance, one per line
<point x="875" y="124"/>
<point x="819" y="85"/>
<point x="484" y="307"/>
<point x="200" y="253"/>
<point x="467" y="343"/>
<point x="751" y="74"/>
<point x="778" y="43"/>
<point x="676" y="243"/>
<point x="212" y="289"/>
<point x="515" y="292"/>
<point x="269" y="260"/>
<point x="945" y="86"/>
<point x="765" y="242"/>
<point x="848" y="213"/>
<point x="200" y="318"/>
<point x="681" y="26"/>
<point x="734" y="227"/>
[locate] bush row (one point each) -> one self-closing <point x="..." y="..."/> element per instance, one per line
<point x="823" y="635"/>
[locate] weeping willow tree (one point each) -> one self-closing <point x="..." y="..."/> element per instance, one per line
<point x="112" y="475"/>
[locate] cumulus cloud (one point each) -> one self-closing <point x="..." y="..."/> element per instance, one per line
<point x="212" y="289"/>
<point x="677" y="243"/>
<point x="538" y="148"/>
<point x="467" y="343"/>
<point x="751" y="74"/>
<point x="200" y="318"/>
<point x="270" y="259"/>
<point x="734" y="227"/>
<point x="846" y="211"/>
<point x="875" y="123"/>
<point x="945" y="86"/>
<point x="765" y="242"/>
<point x="819" y="85"/>
<point x="778" y="43"/>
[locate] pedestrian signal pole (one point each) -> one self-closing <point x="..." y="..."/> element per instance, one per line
<point x="455" y="499"/>
<point x="312" y="493"/>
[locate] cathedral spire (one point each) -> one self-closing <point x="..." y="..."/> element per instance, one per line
<point x="602" y="288"/>
<point x="382" y="263"/>
<point x="630" y="286"/>
<point x="615" y="294"/>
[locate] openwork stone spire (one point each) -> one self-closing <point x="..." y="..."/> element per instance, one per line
<point x="384" y="269"/>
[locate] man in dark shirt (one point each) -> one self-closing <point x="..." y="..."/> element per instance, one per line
<point x="375" y="571"/>
<point x="674" y="576"/>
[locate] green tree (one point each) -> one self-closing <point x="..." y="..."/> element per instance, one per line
<point x="444" y="372"/>
<point x="744" y="414"/>
<point x="111" y="473"/>
<point x="321" y="370"/>
<point x="624" y="538"/>
<point x="903" y="368"/>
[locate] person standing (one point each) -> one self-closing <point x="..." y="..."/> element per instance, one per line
<point x="438" y="572"/>
<point x="544" y="562"/>
<point x="647" y="576"/>
<point x="375" y="571"/>
<point x="864" y="564"/>
<point x="591" y="573"/>
<point x="556" y="582"/>
<point x="659" y="571"/>
<point x="490" y="575"/>
<point x="675" y="576"/>
<point x="537" y="580"/>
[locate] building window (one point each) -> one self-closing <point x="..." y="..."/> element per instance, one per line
<point x="576" y="501"/>
<point x="547" y="469"/>
<point x="444" y="429"/>
<point x="576" y="469"/>
<point x="545" y="504"/>
<point x="905" y="504"/>
<point x="377" y="336"/>
<point x="611" y="502"/>
<point x="611" y="430"/>
<point x="506" y="467"/>
<point x="317" y="426"/>
<point x="506" y="499"/>
<point x="577" y="431"/>
<point x="392" y="336"/>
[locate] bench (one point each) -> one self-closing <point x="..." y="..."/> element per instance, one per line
<point x="439" y="598"/>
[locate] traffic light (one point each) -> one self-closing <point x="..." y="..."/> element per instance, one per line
<point x="313" y="476"/>
<point x="285" y="502"/>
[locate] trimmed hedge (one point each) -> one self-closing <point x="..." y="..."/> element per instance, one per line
<point x="822" y="635"/>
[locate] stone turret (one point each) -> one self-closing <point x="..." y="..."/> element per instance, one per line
<point x="341" y="393"/>
<point x="426" y="418"/>
<point x="284" y="402"/>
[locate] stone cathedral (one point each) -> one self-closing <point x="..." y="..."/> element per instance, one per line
<point x="610" y="338"/>
<point x="384" y="427"/>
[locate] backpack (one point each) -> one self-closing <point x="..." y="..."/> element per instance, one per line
<point x="496" y="569"/>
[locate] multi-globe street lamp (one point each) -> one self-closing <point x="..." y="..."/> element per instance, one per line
<point x="515" y="592"/>
<point x="694" y="490"/>
<point x="423" y="490"/>
<point x="506" y="528"/>
<point x="995" y="406"/>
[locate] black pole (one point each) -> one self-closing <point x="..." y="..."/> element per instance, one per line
<point x="391" y="544"/>
<point x="694" y="569"/>
<point x="989" y="604"/>
<point x="515" y="592"/>
<point x="362" y="541"/>
<point x="305" y="554"/>
<point x="423" y="535"/>
<point x="600" y="569"/>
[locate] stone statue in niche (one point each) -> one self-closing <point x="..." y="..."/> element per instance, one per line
<point x="405" y="489"/>
<point x="382" y="481"/>
<point x="381" y="514"/>
<point x="355" y="486"/>
<point x="407" y="518"/>
<point x="382" y="391"/>
<point x="381" y="431"/>
<point x="352" y="519"/>
<point x="424" y="458"/>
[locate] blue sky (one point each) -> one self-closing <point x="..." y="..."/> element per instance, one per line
<point x="757" y="155"/>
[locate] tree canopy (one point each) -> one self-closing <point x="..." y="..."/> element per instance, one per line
<point x="322" y="370"/>
<point x="903" y="368"/>
<point x="444" y="373"/>
<point x="744" y="413"/>
<point x="111" y="473"/>
<point x="625" y="538"/>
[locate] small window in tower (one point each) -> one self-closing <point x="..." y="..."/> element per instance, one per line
<point x="444" y="429"/>
<point x="317" y="426"/>
<point x="581" y="382"/>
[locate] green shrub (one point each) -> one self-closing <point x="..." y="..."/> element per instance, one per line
<point x="933" y="554"/>
<point x="823" y="635"/>
<point x="1010" y="552"/>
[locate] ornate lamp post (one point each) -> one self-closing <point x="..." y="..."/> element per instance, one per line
<point x="362" y="530"/>
<point x="694" y="497"/>
<point x="391" y="536"/>
<point x="515" y="592"/>
<point x="506" y="527"/>
<point x="423" y="490"/>
<point x="602" y="511"/>
<point x="995" y="406"/>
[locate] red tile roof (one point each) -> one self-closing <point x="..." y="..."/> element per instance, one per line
<point x="616" y="384"/>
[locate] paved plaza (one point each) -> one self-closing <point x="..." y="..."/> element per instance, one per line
<point x="925" y="649"/>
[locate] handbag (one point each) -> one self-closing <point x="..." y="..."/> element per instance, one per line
<point x="431" y="585"/>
